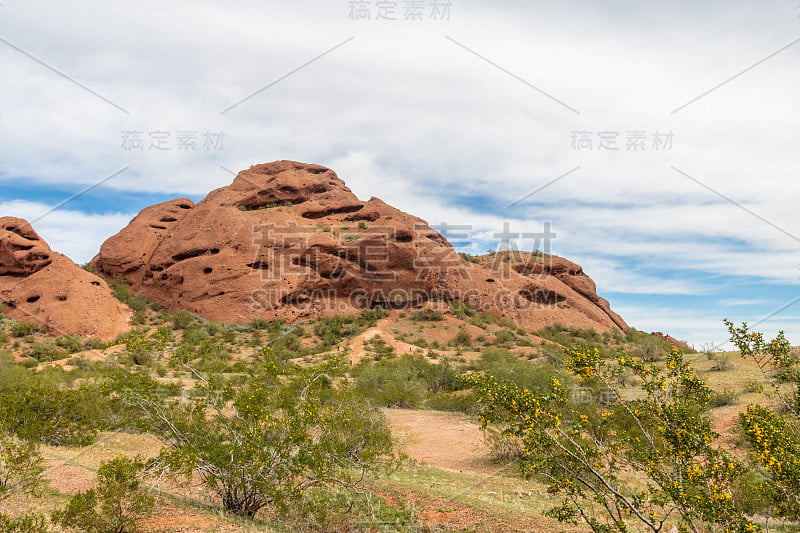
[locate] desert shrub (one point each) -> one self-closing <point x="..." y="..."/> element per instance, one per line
<point x="664" y="438"/>
<point x="30" y="523"/>
<point x="259" y="323"/>
<point x="773" y="435"/>
<point x="427" y="315"/>
<point x="181" y="319"/>
<point x="20" y="473"/>
<point x="462" y="338"/>
<point x="461" y="401"/>
<point x="70" y="343"/>
<point x="123" y="293"/>
<point x="45" y="351"/>
<point x="115" y="506"/>
<point x="378" y="346"/>
<point x="143" y="348"/>
<point x="23" y="329"/>
<point x="34" y="406"/>
<point x="461" y="309"/>
<point x="505" y="336"/>
<point x="94" y="343"/>
<point x="271" y="442"/>
<point x="3" y="339"/>
<point x="139" y="319"/>
<point x="333" y="329"/>
<point x="503" y="448"/>
<point x="404" y="381"/>
<point x="20" y="467"/>
<point x="753" y="386"/>
<point x="719" y="361"/>
<point x="506" y="366"/>
<point x="469" y="258"/>
<point x="723" y="398"/>
<point x="369" y="317"/>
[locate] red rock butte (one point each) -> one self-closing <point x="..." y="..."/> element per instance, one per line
<point x="39" y="285"/>
<point x="290" y="240"/>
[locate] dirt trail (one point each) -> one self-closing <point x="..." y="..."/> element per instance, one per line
<point x="381" y="329"/>
<point x="441" y="440"/>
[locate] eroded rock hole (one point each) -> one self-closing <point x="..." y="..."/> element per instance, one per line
<point x="404" y="236"/>
<point x="33" y="299"/>
<point x="194" y="253"/>
<point x="333" y="211"/>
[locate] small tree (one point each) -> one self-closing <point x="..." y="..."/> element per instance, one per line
<point x="115" y="506"/>
<point x="773" y="434"/>
<point x="20" y="467"/>
<point x="649" y="460"/>
<point x="20" y="473"/>
<point x="270" y="442"/>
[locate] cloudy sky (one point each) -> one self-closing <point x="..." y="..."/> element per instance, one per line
<point x="659" y="140"/>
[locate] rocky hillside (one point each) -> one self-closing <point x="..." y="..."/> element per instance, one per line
<point x="290" y="240"/>
<point x="39" y="285"/>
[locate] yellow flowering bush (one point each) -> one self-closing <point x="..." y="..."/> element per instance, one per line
<point x="773" y="434"/>
<point x="649" y="460"/>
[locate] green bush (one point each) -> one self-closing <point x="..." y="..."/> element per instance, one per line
<point x="70" y="343"/>
<point x="721" y="399"/>
<point x="45" y="351"/>
<point x="333" y="329"/>
<point x="181" y="319"/>
<point x="95" y="343"/>
<point x="505" y="336"/>
<point x="31" y="523"/>
<point x="35" y="406"/>
<point x="3" y="339"/>
<point x="462" y="338"/>
<point x="23" y="329"/>
<point x="720" y="362"/>
<point x="506" y="366"/>
<point x="270" y="442"/>
<point x="115" y="506"/>
<point x="123" y="293"/>
<point x="461" y="309"/>
<point x="259" y="323"/>
<point x="20" y="468"/>
<point x="404" y="381"/>
<point x="427" y="315"/>
<point x="469" y="258"/>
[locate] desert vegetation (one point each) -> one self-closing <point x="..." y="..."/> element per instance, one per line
<point x="270" y="426"/>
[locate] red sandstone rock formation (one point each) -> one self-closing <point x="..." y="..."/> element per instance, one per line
<point x="37" y="284"/>
<point x="670" y="339"/>
<point x="290" y="240"/>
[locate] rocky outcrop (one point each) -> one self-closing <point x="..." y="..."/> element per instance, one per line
<point x="672" y="340"/>
<point x="290" y="240"/>
<point x="37" y="284"/>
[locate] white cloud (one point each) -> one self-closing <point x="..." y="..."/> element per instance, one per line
<point x="403" y="113"/>
<point x="73" y="233"/>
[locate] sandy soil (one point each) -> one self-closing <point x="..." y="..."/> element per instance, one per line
<point x="442" y="440"/>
